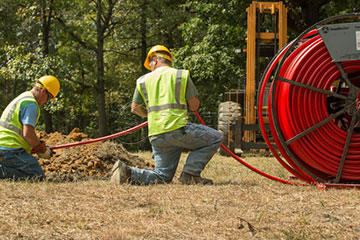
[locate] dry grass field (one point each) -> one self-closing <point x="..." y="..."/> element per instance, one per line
<point x="242" y="205"/>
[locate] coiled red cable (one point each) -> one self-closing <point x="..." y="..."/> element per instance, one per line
<point x="302" y="109"/>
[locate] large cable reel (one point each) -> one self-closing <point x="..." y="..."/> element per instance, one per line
<point x="314" y="102"/>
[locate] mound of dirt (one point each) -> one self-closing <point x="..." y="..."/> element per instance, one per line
<point x="88" y="161"/>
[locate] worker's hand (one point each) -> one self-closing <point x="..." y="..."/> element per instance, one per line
<point x="41" y="148"/>
<point x="47" y="154"/>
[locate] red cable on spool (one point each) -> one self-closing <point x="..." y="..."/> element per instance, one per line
<point x="306" y="134"/>
<point x="306" y="108"/>
<point x="267" y="75"/>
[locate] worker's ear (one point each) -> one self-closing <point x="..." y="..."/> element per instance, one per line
<point x="45" y="92"/>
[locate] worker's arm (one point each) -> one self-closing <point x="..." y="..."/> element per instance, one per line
<point x="39" y="147"/>
<point x="30" y="135"/>
<point x="28" y="116"/>
<point x="193" y="103"/>
<point x="138" y="110"/>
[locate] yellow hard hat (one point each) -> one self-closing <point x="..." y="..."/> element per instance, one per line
<point x="155" y="51"/>
<point x="51" y="84"/>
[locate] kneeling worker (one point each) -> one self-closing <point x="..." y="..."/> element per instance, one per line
<point x="17" y="132"/>
<point x="167" y="94"/>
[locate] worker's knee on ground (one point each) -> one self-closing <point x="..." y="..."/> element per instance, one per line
<point x="165" y="178"/>
<point x="40" y="174"/>
<point x="36" y="174"/>
<point x="39" y="177"/>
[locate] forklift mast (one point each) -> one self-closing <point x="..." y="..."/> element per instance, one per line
<point x="267" y="33"/>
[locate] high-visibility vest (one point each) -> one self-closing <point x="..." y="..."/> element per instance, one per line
<point x="163" y="91"/>
<point x="11" y="129"/>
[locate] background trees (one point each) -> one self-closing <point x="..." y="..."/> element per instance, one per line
<point x="97" y="48"/>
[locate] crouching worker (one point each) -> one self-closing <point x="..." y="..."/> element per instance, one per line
<point x="18" y="138"/>
<point x="167" y="94"/>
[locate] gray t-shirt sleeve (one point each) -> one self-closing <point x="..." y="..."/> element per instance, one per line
<point x="137" y="98"/>
<point x="191" y="90"/>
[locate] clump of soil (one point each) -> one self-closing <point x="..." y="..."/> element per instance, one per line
<point x="88" y="161"/>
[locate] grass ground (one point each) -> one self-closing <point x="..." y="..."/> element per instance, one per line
<point x="242" y="205"/>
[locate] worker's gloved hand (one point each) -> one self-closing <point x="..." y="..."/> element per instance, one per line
<point x="41" y="148"/>
<point x="47" y="154"/>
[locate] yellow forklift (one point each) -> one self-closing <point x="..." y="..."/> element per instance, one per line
<point x="266" y="35"/>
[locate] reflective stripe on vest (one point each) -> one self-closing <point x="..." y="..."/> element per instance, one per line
<point x="164" y="93"/>
<point x="176" y="105"/>
<point x="6" y="123"/>
<point x="11" y="129"/>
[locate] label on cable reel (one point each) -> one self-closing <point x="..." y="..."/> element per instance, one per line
<point x="342" y="41"/>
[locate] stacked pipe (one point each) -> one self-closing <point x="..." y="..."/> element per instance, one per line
<point x="313" y="110"/>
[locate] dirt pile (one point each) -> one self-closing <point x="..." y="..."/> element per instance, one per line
<point x="88" y="161"/>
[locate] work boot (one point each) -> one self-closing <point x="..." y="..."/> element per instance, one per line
<point x="189" y="179"/>
<point x="120" y="173"/>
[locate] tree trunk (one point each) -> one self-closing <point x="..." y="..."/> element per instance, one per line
<point x="144" y="131"/>
<point x="143" y="36"/>
<point x="101" y="92"/>
<point x="100" y="85"/>
<point x="46" y="24"/>
<point x="48" y="121"/>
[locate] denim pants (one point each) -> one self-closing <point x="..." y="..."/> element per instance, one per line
<point x="17" y="164"/>
<point x="202" y="141"/>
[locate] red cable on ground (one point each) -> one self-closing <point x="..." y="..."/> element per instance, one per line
<point x="145" y="124"/>
<point x="101" y="138"/>
<point x="246" y="164"/>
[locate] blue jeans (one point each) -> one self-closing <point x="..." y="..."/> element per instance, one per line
<point x="17" y="164"/>
<point x="202" y="141"/>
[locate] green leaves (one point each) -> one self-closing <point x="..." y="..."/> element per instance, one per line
<point x="211" y="37"/>
<point x="203" y="35"/>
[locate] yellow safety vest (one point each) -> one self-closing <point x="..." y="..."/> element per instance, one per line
<point x="163" y="91"/>
<point x="11" y="129"/>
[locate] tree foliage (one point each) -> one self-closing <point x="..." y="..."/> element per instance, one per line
<point x="211" y="38"/>
<point x="97" y="48"/>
